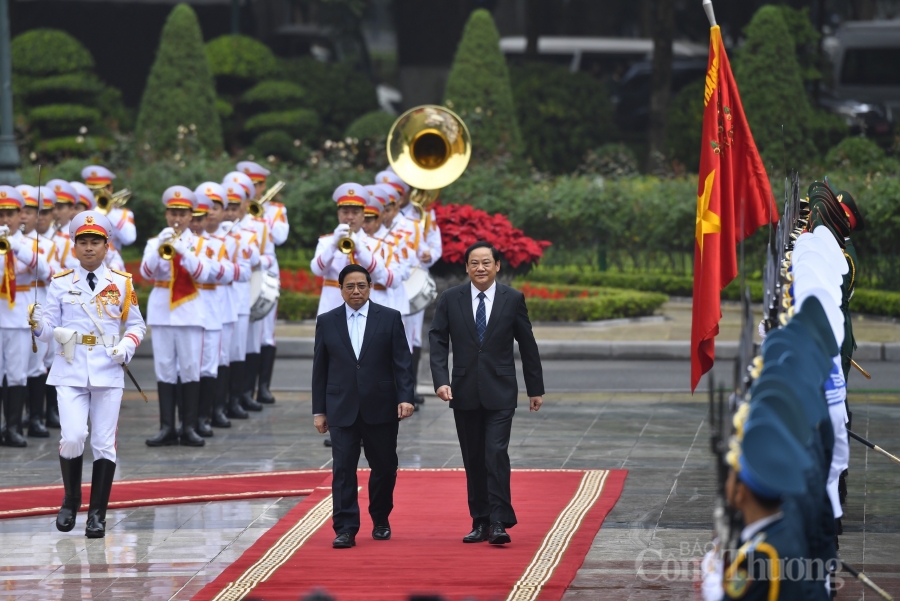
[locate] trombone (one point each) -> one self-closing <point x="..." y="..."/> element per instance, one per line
<point x="429" y="147"/>
<point x="106" y="202"/>
<point x="257" y="207"/>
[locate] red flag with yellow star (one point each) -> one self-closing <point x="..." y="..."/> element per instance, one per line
<point x="733" y="181"/>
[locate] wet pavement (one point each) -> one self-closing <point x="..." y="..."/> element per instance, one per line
<point x="648" y="548"/>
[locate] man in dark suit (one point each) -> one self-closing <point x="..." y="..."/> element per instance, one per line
<point x="361" y="388"/>
<point x="481" y="319"/>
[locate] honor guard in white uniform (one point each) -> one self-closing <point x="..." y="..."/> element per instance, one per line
<point x="394" y="230"/>
<point x="214" y="300"/>
<point x="21" y="264"/>
<point x="124" y="232"/>
<point x="85" y="312"/>
<point x="253" y="359"/>
<point x="177" y="316"/>
<point x="219" y="227"/>
<point x="384" y="246"/>
<point x="85" y="199"/>
<point x="37" y="362"/>
<point x="331" y="254"/>
<point x="66" y="196"/>
<point x="248" y="256"/>
<point x="424" y="241"/>
<point x="275" y="215"/>
<point x="48" y="229"/>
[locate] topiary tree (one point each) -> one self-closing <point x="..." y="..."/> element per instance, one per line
<point x="180" y="88"/>
<point x="373" y="127"/>
<point x="275" y="107"/>
<point x="239" y="61"/>
<point x="58" y="96"/>
<point x="562" y="114"/>
<point x="478" y="89"/>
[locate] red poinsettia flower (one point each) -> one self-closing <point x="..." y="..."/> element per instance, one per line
<point x="463" y="225"/>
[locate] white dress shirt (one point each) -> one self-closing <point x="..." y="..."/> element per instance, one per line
<point x="357" y="326"/>
<point x="753" y="529"/>
<point x="488" y="301"/>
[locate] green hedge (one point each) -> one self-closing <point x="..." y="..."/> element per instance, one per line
<point x="371" y="126"/>
<point x="274" y="96"/>
<point x="276" y="143"/>
<point x="240" y="58"/>
<point x="599" y="304"/>
<point x="298" y="122"/>
<point x="294" y="306"/>
<point x="63" y="118"/>
<point x="876" y="302"/>
<point x="42" y="52"/>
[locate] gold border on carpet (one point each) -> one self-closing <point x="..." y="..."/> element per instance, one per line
<point x="279" y="553"/>
<point x="557" y="540"/>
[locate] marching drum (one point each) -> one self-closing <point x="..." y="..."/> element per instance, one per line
<point x="264" y="292"/>
<point x="421" y="289"/>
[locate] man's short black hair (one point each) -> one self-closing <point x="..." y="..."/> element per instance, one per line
<point x="482" y="244"/>
<point x="352" y="268"/>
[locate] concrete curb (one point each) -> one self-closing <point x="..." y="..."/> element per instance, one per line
<point x="598" y="350"/>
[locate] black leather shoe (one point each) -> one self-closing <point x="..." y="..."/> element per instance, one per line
<point x="344" y="540"/>
<point x="479" y="533"/>
<point x="498" y="534"/>
<point x="327" y="442"/>
<point x="382" y="531"/>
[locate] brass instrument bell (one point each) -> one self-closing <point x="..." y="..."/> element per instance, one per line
<point x="346" y="246"/>
<point x="257" y="207"/>
<point x="106" y="202"/>
<point x="4" y="245"/>
<point x="166" y="249"/>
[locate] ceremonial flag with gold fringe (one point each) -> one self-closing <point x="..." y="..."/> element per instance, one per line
<point x="734" y="198"/>
<point x="182" y="287"/>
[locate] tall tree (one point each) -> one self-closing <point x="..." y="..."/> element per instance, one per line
<point x="661" y="82"/>
<point x="478" y="89"/>
<point x="180" y="89"/>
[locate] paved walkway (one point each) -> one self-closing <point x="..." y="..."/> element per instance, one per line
<point x="647" y="548"/>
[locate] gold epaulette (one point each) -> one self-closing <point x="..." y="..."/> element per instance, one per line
<point x="121" y="273"/>
<point x="62" y="273"/>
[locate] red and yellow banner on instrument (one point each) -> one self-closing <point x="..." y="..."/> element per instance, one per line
<point x="733" y="200"/>
<point x="182" y="287"/>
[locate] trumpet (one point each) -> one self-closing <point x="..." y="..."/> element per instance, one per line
<point x="4" y="245"/>
<point x="167" y="249"/>
<point x="106" y="202"/>
<point x="346" y="246"/>
<point x="257" y="207"/>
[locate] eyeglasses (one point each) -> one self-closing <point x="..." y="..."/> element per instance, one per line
<point x="351" y="287"/>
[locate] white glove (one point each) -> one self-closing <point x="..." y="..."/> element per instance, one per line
<point x="362" y="252"/>
<point x="166" y="235"/>
<point x="4" y="230"/>
<point x="37" y="316"/>
<point x="761" y="328"/>
<point x="712" y="570"/>
<point x="122" y="352"/>
<point x="341" y="231"/>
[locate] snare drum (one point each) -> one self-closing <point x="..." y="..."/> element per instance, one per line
<point x="264" y="292"/>
<point x="420" y="288"/>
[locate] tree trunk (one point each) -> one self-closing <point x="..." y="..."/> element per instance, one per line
<point x="532" y="27"/>
<point x="661" y="82"/>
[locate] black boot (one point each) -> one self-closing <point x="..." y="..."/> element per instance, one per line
<point x="101" y="486"/>
<point x="166" y="435"/>
<point x="36" y="406"/>
<point x="235" y="387"/>
<point x="220" y="403"/>
<point x="205" y="409"/>
<point x="71" y="474"/>
<point x="190" y="392"/>
<point x="15" y="401"/>
<point x="266" y="367"/>
<point x="52" y="419"/>
<point x="251" y="371"/>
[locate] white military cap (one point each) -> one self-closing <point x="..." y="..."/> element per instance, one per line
<point x="41" y="199"/>
<point x="234" y="192"/>
<point x="351" y="195"/>
<point x="391" y="194"/>
<point x="10" y="198"/>
<point x="238" y="177"/>
<point x="255" y="171"/>
<point x="64" y="191"/>
<point x="97" y="176"/>
<point x="179" y="197"/>
<point x="376" y="201"/>
<point x="90" y="222"/>
<point x="211" y="192"/>
<point x="391" y="178"/>
<point x="85" y="196"/>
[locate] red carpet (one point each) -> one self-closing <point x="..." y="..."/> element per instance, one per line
<point x="559" y="513"/>
<point x="42" y="500"/>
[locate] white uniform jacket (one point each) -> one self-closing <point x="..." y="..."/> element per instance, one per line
<point x="241" y="274"/>
<point x="112" y="303"/>
<point x="247" y="251"/>
<point x="65" y="257"/>
<point x="29" y="263"/>
<point x="329" y="262"/>
<point x="390" y="247"/>
<point x="267" y="260"/>
<point x="47" y="252"/>
<point x="123" y="221"/>
<point x="153" y="267"/>
<point x="220" y="276"/>
<point x="420" y="239"/>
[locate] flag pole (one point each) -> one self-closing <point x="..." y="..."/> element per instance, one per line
<point x="710" y="14"/>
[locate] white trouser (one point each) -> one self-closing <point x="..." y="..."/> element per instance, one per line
<point x="37" y="361"/>
<point x="840" y="456"/>
<point x="225" y="343"/>
<point x="239" y="338"/>
<point x="414" y="322"/>
<point x="268" y="327"/>
<point x="75" y="404"/>
<point x="254" y="335"/>
<point x="212" y="347"/>
<point x="15" y="347"/>
<point x="177" y="351"/>
<point x="48" y="356"/>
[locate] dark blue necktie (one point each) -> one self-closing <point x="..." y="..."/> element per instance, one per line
<point x="91" y="279"/>
<point x="480" y="318"/>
